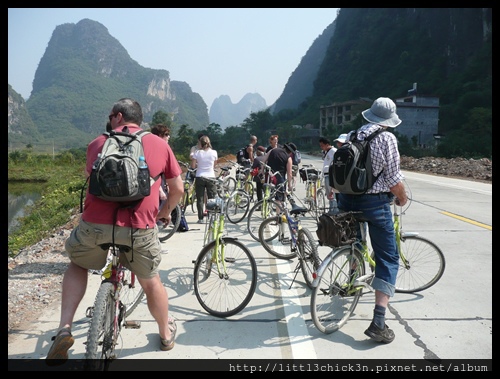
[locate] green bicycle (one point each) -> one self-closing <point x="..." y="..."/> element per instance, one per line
<point x="225" y="271"/>
<point x="342" y="277"/>
<point x="284" y="237"/>
<point x="268" y="206"/>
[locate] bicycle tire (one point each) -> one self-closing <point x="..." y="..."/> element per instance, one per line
<point x="194" y="202"/>
<point x="331" y="304"/>
<point x="256" y="215"/>
<point x="320" y="202"/>
<point x="220" y="296"/>
<point x="308" y="255"/>
<point x="228" y="185"/>
<point x="100" y="344"/>
<point x="237" y="206"/>
<point x="275" y="238"/>
<point x="165" y="232"/>
<point x="131" y="293"/>
<point x="426" y="265"/>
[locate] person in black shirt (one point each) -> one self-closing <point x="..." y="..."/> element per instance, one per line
<point x="279" y="159"/>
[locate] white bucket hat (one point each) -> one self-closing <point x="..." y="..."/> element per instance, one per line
<point x="382" y="112"/>
<point x="342" y="138"/>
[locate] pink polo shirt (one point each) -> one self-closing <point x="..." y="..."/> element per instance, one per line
<point x="160" y="159"/>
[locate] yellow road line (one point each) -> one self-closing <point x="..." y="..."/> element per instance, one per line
<point x="468" y="220"/>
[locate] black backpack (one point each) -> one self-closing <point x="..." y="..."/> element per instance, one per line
<point x="241" y="155"/>
<point x="351" y="169"/>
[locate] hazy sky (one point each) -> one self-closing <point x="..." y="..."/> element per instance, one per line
<point x="217" y="51"/>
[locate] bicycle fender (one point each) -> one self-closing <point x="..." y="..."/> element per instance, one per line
<point x="409" y="234"/>
<point x="322" y="268"/>
<point x="229" y="239"/>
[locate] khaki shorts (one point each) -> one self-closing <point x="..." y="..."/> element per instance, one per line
<point x="83" y="247"/>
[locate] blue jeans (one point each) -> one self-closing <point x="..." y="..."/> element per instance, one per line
<point x="377" y="210"/>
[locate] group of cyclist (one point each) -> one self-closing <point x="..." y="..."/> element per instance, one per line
<point x="137" y="224"/>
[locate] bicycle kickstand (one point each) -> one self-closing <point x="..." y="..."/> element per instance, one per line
<point x="296" y="271"/>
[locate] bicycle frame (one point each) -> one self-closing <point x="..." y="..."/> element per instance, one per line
<point x="215" y="229"/>
<point x="362" y="245"/>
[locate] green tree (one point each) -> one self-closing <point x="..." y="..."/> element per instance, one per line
<point x="186" y="137"/>
<point x="162" y="117"/>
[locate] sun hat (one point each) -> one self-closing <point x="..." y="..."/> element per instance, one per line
<point x="290" y="146"/>
<point x="342" y="138"/>
<point x="382" y="112"/>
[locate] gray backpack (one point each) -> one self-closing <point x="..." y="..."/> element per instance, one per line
<point x="117" y="174"/>
<point x="351" y="169"/>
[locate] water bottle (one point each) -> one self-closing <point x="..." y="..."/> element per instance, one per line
<point x="143" y="177"/>
<point x="96" y="162"/>
<point x="142" y="162"/>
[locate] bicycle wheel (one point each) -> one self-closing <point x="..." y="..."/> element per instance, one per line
<point x="274" y="236"/>
<point x="308" y="255"/>
<point x="101" y="337"/>
<point x="237" y="206"/>
<point x="228" y="185"/>
<point x="193" y="202"/>
<point x="226" y="293"/>
<point x="259" y="212"/>
<point x="425" y="265"/>
<point x="131" y="293"/>
<point x="334" y="299"/>
<point x="320" y="202"/>
<point x="165" y="232"/>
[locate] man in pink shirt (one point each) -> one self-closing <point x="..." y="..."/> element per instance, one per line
<point x="135" y="227"/>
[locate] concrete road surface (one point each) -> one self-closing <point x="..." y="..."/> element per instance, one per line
<point x="450" y="322"/>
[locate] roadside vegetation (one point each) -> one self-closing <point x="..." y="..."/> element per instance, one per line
<point x="59" y="178"/>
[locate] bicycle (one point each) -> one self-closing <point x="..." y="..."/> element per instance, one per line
<point x="117" y="297"/>
<point x="238" y="201"/>
<point x="315" y="191"/>
<point x="266" y="207"/>
<point x="244" y="179"/>
<point x="228" y="182"/>
<point x="189" y="196"/>
<point x="225" y="271"/>
<point x="341" y="278"/>
<point x="284" y="237"/>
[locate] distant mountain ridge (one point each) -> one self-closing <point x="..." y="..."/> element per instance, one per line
<point x="84" y="70"/>
<point x="225" y="113"/>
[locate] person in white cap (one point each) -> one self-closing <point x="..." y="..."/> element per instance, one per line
<point x="376" y="207"/>
<point x="328" y="152"/>
<point x="340" y="140"/>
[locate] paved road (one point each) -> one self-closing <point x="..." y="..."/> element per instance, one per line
<point x="450" y="321"/>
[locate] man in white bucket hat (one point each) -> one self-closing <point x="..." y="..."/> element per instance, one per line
<point x="376" y="207"/>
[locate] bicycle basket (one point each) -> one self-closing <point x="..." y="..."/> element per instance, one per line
<point x="306" y="173"/>
<point x="336" y="230"/>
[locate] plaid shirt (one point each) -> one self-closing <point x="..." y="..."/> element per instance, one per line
<point x="384" y="156"/>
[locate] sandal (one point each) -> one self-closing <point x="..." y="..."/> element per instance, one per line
<point x="167" y="345"/>
<point x="59" y="349"/>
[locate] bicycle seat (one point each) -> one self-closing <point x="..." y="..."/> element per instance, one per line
<point x="107" y="246"/>
<point x="298" y="210"/>
<point x="214" y="204"/>
<point x="312" y="177"/>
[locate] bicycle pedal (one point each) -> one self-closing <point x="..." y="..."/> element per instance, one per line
<point x="132" y="324"/>
<point x="89" y="312"/>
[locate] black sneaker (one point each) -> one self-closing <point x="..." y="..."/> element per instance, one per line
<point x="385" y="335"/>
